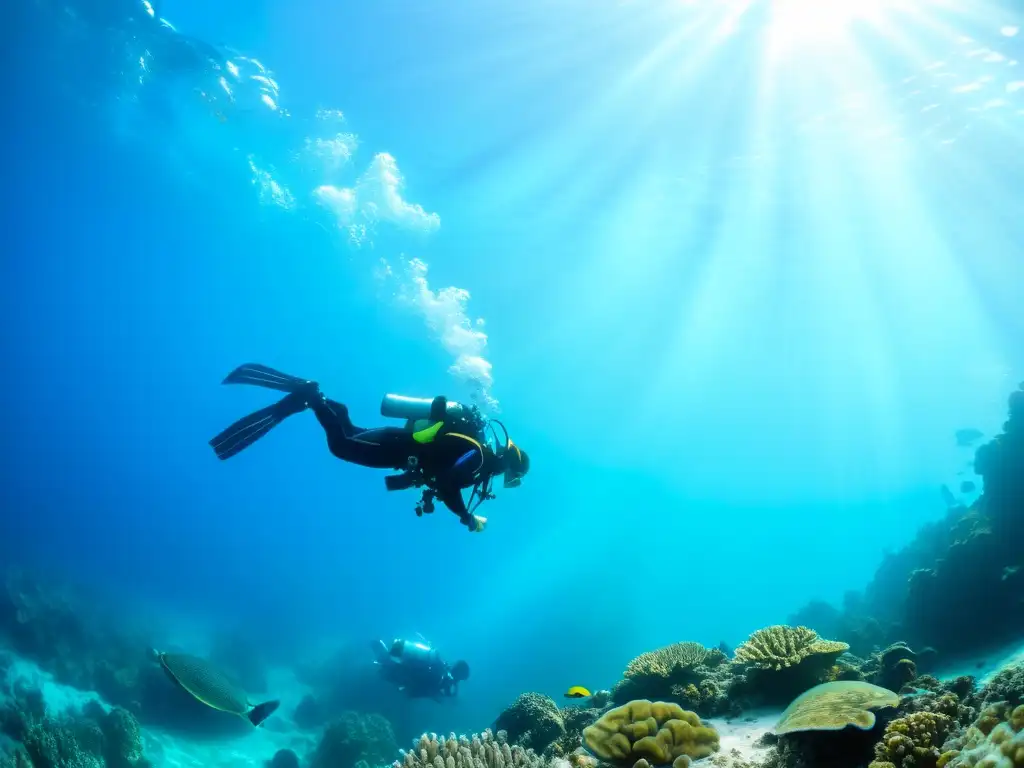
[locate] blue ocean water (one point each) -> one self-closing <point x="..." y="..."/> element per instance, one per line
<point x="732" y="284"/>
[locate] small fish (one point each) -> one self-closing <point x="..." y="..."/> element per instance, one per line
<point x="208" y="685"/>
<point x="967" y="437"/>
<point x="577" y="692"/>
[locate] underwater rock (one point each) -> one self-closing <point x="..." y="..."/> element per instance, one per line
<point x="309" y="714"/>
<point x="533" y="721"/>
<point x="284" y="758"/>
<point x="353" y="737"/>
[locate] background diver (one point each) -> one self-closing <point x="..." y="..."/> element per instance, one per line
<point x="418" y="670"/>
<point x="443" y="445"/>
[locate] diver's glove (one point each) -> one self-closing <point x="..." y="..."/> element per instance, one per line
<point x="478" y="525"/>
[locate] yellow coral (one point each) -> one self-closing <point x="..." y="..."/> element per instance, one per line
<point x="664" y="661"/>
<point x="655" y="731"/>
<point x="915" y="738"/>
<point x="780" y="646"/>
<point x="1002" y="748"/>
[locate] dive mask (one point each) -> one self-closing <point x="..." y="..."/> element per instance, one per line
<point x="517" y="464"/>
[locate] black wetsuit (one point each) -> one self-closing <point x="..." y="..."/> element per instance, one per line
<point x="447" y="457"/>
<point x="451" y="462"/>
<point x="419" y="678"/>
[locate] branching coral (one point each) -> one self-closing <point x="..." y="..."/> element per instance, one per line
<point x="533" y="720"/>
<point x="477" y="751"/>
<point x="685" y="673"/>
<point x="655" y="731"/>
<point x="778" y="647"/>
<point x="664" y="662"/>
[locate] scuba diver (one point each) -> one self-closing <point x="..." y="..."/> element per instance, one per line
<point x="443" y="446"/>
<point x="418" y="670"/>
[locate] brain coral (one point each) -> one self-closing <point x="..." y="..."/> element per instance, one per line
<point x="833" y="706"/>
<point x="654" y="731"/>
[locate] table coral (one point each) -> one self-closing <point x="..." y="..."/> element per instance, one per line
<point x="834" y="706"/>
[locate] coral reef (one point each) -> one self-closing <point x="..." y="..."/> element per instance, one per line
<point x="354" y="737"/>
<point x="1007" y="686"/>
<point x="67" y="634"/>
<point x="781" y="662"/>
<point x="657" y="732"/>
<point x="913" y="741"/>
<point x="485" y="750"/>
<point x="90" y="738"/>
<point x="996" y="740"/>
<point x="533" y="721"/>
<point x="960" y="573"/>
<point x="284" y="758"/>
<point x="685" y="673"/>
<point x="575" y="720"/>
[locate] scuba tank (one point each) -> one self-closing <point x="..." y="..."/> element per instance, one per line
<point x="414" y="653"/>
<point x="414" y="409"/>
<point x="408" y="408"/>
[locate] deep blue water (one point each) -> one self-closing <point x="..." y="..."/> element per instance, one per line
<point x="736" y="304"/>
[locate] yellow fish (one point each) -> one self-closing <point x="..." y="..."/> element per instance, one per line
<point x="577" y="692"/>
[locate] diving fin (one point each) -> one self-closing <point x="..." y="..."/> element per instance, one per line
<point x="263" y="376"/>
<point x="251" y="428"/>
